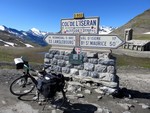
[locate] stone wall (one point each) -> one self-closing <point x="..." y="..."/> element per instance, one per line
<point x="96" y="65"/>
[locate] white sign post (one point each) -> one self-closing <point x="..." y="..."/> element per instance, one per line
<point x="103" y="41"/>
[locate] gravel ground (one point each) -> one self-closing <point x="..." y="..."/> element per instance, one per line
<point x="136" y="80"/>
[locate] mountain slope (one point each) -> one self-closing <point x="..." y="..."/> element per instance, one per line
<point x="33" y="36"/>
<point x="7" y="39"/>
<point x="140" y="25"/>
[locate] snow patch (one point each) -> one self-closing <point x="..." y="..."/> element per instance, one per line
<point x="8" y="43"/>
<point x="147" y="33"/>
<point x="105" y="29"/>
<point x="36" y="31"/>
<point x="28" y="45"/>
<point x="2" y="28"/>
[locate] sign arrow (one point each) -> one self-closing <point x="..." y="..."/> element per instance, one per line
<point x="102" y="41"/>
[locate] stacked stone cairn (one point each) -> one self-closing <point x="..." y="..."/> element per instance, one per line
<point x="97" y="67"/>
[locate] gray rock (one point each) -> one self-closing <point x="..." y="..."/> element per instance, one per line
<point x="111" y="69"/>
<point x="99" y="91"/>
<point x="106" y="62"/>
<point x="93" y="60"/>
<point x="67" y="53"/>
<point x="85" y="59"/>
<point x="54" y="61"/>
<point x="80" y="95"/>
<point x="104" y="55"/>
<point x="57" y="68"/>
<point x="52" y="51"/>
<point x="83" y="73"/>
<point x="126" y="106"/>
<point x="144" y="106"/>
<point x="108" y="90"/>
<point x="66" y="58"/>
<point x="79" y="67"/>
<point x="59" y="57"/>
<point x="74" y="71"/>
<point x="99" y="98"/>
<point x="66" y="70"/>
<point x="88" y="66"/>
<point x="93" y="74"/>
<point x="87" y="91"/>
<point x="46" y="61"/>
<point x="107" y="77"/>
<point x="101" y="68"/>
<point x="4" y="102"/>
<point x="61" y="63"/>
<point x="92" y="55"/>
<point x="50" y="56"/>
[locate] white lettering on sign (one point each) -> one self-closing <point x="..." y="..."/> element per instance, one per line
<point x="60" y="40"/>
<point x="76" y="26"/>
<point x="108" y="41"/>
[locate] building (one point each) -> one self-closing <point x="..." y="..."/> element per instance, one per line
<point x="140" y="45"/>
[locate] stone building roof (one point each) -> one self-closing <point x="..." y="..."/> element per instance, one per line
<point x="138" y="42"/>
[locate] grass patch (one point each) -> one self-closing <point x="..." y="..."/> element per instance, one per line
<point x="7" y="54"/>
<point x="124" y="60"/>
<point x="33" y="55"/>
<point x="142" y="37"/>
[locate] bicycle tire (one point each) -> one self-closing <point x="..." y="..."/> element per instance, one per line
<point x="18" y="87"/>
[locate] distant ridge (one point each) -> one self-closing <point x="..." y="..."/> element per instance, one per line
<point x="140" y="25"/>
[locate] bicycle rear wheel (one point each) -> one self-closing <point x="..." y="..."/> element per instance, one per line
<point x="22" y="86"/>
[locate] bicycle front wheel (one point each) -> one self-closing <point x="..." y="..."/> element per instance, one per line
<point x="22" y="86"/>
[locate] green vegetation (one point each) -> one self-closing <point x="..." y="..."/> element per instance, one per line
<point x="34" y="55"/>
<point x="141" y="22"/>
<point x="124" y="60"/>
<point x="142" y="37"/>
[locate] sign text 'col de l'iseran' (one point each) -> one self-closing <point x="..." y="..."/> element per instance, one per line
<point x="80" y="26"/>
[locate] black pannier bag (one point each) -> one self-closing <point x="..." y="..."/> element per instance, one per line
<point x="49" y="84"/>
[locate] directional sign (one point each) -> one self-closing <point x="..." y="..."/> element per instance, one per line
<point x="80" y="26"/>
<point x="105" y="41"/>
<point x="59" y="39"/>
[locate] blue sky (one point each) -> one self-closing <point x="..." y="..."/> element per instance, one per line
<point x="46" y="15"/>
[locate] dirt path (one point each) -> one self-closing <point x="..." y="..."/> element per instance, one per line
<point x="137" y="82"/>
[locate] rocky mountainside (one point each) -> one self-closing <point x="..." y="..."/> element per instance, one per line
<point x="13" y="37"/>
<point x="8" y="39"/>
<point x="140" y="25"/>
<point x="10" y="35"/>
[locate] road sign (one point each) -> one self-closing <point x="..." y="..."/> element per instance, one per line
<point x="80" y="26"/>
<point x="59" y="39"/>
<point x="105" y="41"/>
<point x="78" y="49"/>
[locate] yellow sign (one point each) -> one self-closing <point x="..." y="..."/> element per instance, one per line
<point x="78" y="16"/>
